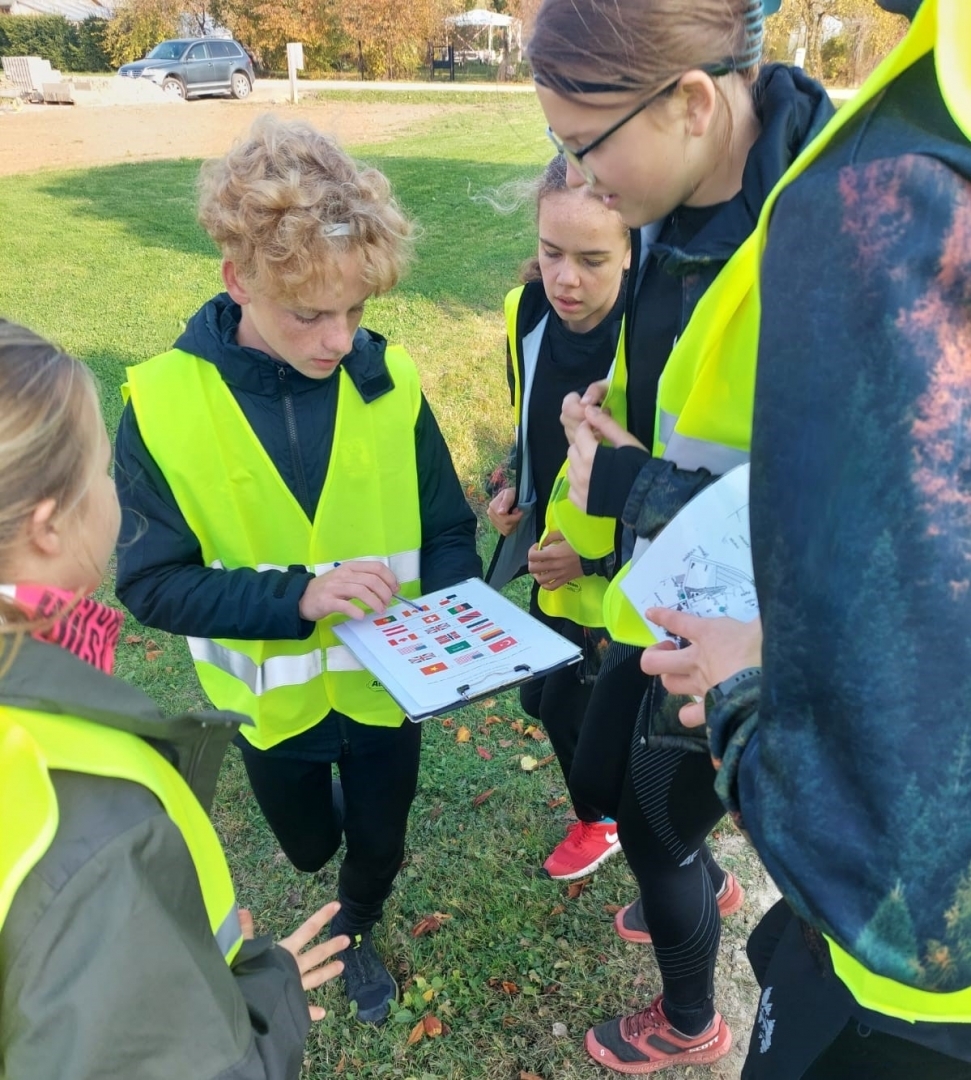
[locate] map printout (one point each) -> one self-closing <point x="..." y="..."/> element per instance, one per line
<point x="701" y="561"/>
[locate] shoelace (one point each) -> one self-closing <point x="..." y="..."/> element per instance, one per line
<point x="632" y="1027"/>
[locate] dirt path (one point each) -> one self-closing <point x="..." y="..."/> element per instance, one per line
<point x="52" y="137"/>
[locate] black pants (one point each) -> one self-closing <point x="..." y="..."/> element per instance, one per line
<point x="808" y="1026"/>
<point x="559" y="702"/>
<point x="379" y="774"/>
<point x="603" y="746"/>
<point x="665" y="808"/>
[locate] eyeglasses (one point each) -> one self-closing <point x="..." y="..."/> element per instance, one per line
<point x="575" y="157"/>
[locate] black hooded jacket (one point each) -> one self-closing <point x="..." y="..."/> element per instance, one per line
<point x="162" y="578"/>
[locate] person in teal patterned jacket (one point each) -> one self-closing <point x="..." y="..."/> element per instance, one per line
<point x="844" y="737"/>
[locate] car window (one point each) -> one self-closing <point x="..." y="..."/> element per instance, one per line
<point x="167" y="50"/>
<point x="197" y="52"/>
<point x="222" y="48"/>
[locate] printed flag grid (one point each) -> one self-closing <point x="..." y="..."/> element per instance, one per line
<point x="459" y="644"/>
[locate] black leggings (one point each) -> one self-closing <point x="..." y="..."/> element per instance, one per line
<point x="559" y="702"/>
<point x="666" y="806"/>
<point x="379" y="775"/>
<point x="603" y="746"/>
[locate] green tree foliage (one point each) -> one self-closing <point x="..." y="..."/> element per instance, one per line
<point x="139" y="25"/>
<point x="266" y="26"/>
<point x="846" y="58"/>
<point x="68" y="46"/>
<point x="338" y="35"/>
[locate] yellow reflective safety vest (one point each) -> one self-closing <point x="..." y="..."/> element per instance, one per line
<point x="235" y="501"/>
<point x="943" y="26"/>
<point x="580" y="600"/>
<point x="705" y="400"/>
<point x="32" y="744"/>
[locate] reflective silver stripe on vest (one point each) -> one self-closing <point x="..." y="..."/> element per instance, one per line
<point x="405" y="565"/>
<point x="229" y="932"/>
<point x="666" y="423"/>
<point x="692" y="454"/>
<point x="275" y="672"/>
<point x="340" y="658"/>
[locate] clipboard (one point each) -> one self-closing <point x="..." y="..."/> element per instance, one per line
<point x="445" y="649"/>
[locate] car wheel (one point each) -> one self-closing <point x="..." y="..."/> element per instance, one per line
<point x="172" y="85"/>
<point x="240" y="85"/>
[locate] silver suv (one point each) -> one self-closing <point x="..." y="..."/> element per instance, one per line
<point x="191" y="67"/>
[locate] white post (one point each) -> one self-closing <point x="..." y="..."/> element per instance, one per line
<point x="490" y="44"/>
<point x="294" y="64"/>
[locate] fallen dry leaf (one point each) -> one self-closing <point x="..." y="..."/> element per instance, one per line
<point x="577" y="887"/>
<point x="152" y="654"/>
<point x="558" y="910"/>
<point x="435" y="813"/>
<point x="554" y="803"/>
<point x="493" y="719"/>
<point x="505" y="743"/>
<point x="428" y="995"/>
<point x="489" y="703"/>
<point x="341" y="1065"/>
<point x="612" y="909"/>
<point x="544" y="761"/>
<point x="529" y="1076"/>
<point x="433" y="1026"/>
<point x="417" y="1033"/>
<point x="517" y="726"/>
<point x="509" y="987"/>
<point x="527" y="763"/>
<point x="448" y="722"/>
<point x="480" y="799"/>
<point x="428" y="925"/>
<point x="529" y="730"/>
<point x="133" y="639"/>
<point x="483" y="753"/>
<point x="463" y="734"/>
<point x="538" y="734"/>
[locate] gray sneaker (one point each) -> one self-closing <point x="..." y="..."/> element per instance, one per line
<point x="366" y="980"/>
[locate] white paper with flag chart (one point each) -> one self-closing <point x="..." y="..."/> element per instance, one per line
<point x="443" y="650"/>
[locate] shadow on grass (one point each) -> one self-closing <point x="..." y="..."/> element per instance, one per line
<point x="467" y="252"/>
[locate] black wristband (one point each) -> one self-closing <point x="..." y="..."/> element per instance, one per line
<point x="717" y="694"/>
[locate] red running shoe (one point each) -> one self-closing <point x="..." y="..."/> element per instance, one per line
<point x="646" y="1042"/>
<point x="587" y="845"/>
<point x="629" y="921"/>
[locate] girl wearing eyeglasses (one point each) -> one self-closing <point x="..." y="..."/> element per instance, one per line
<point x="661" y="107"/>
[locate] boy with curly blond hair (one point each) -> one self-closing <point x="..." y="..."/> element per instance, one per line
<point x="277" y="465"/>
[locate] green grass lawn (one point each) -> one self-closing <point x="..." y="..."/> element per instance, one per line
<point x="109" y="262"/>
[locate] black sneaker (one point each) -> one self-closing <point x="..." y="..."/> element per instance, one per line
<point x="366" y="980"/>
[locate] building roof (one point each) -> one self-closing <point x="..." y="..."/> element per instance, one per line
<point x="72" y="10"/>
<point x="480" y="17"/>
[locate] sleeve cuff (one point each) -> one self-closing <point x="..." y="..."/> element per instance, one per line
<point x="615" y="469"/>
